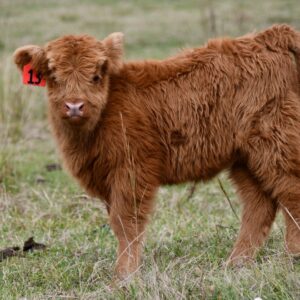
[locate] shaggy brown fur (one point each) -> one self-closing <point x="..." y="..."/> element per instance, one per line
<point x="233" y="104"/>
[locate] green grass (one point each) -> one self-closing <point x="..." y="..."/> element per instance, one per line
<point x="188" y="240"/>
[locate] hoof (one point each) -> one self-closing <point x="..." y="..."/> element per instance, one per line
<point x="125" y="274"/>
<point x="239" y="261"/>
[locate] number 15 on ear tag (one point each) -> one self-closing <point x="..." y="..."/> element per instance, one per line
<point x="31" y="77"/>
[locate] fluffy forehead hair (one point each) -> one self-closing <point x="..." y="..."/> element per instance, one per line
<point x="75" y="51"/>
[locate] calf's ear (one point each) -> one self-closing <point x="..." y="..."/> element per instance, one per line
<point x="114" y="50"/>
<point x="32" y="54"/>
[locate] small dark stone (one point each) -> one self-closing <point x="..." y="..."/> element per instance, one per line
<point x="40" y="179"/>
<point x="53" y="167"/>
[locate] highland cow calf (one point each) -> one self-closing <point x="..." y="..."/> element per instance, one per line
<point x="125" y="128"/>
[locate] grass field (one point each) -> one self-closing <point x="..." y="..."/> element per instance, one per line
<point x="189" y="238"/>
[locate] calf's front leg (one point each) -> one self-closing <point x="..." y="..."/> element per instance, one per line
<point x="129" y="213"/>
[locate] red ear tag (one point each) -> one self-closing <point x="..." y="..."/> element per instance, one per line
<point x="31" y="77"/>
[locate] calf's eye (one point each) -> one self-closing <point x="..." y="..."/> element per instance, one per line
<point x="96" y="79"/>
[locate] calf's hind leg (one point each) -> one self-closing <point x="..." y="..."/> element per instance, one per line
<point x="285" y="187"/>
<point x="273" y="153"/>
<point x="289" y="199"/>
<point x="259" y="212"/>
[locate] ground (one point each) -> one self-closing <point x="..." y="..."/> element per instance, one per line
<point x="188" y="238"/>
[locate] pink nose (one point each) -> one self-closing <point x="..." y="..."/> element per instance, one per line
<point x="74" y="109"/>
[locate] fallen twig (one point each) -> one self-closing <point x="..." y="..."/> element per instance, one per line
<point x="191" y="191"/>
<point x="228" y="199"/>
